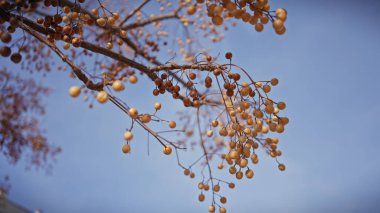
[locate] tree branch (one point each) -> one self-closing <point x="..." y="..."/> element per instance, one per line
<point x="133" y="12"/>
<point x="137" y="50"/>
<point x="31" y="27"/>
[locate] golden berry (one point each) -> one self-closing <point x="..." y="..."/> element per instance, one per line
<point x="74" y="91"/>
<point x="186" y="172"/>
<point x="191" y="10"/>
<point x="201" y="197"/>
<point x="167" y="150"/>
<point x="157" y="106"/>
<point x="133" y="112"/>
<point x="102" y="97"/>
<point x="118" y="85"/>
<point x="274" y="81"/>
<point x="126" y="148"/>
<point x="101" y="22"/>
<point x="133" y="79"/>
<point x="128" y="135"/>
<point x="249" y="174"/>
<point x="281" y="167"/>
<point x="172" y="124"/>
<point x="146" y="118"/>
<point x="217" y="20"/>
<point x="231" y="185"/>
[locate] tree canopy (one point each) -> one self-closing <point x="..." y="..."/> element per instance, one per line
<point x="107" y="46"/>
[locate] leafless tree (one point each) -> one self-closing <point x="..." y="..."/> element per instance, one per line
<point x="231" y="114"/>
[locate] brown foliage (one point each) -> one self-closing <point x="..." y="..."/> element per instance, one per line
<point x="20" y="110"/>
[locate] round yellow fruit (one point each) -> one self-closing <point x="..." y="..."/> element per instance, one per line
<point x="74" y="91"/>
<point x="133" y="79"/>
<point x="186" y="172"/>
<point x="101" y="21"/>
<point x="126" y="148"/>
<point x="102" y="97"/>
<point x="274" y="81"/>
<point x="157" y="106"/>
<point x="223" y="200"/>
<point x="239" y="175"/>
<point x="128" y="135"/>
<point x="281" y="105"/>
<point x="133" y="112"/>
<point x="278" y="24"/>
<point x="249" y="174"/>
<point x="217" y="20"/>
<point x="243" y="163"/>
<point x="201" y="197"/>
<point x="191" y="10"/>
<point x="118" y="85"/>
<point x="167" y="150"/>
<point x="259" y="27"/>
<point x="281" y="167"/>
<point x="211" y="208"/>
<point x="146" y="118"/>
<point x="172" y="124"/>
<point x="123" y="33"/>
<point x="231" y="185"/>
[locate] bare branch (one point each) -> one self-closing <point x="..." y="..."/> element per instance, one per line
<point x="133" y="12"/>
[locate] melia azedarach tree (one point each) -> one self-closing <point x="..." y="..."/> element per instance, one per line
<point x="226" y="110"/>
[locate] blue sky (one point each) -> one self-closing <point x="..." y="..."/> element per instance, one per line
<point x="328" y="66"/>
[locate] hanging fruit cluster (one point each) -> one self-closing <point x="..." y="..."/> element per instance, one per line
<point x="255" y="12"/>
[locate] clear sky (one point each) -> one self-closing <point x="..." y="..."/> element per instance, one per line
<point x="328" y="65"/>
